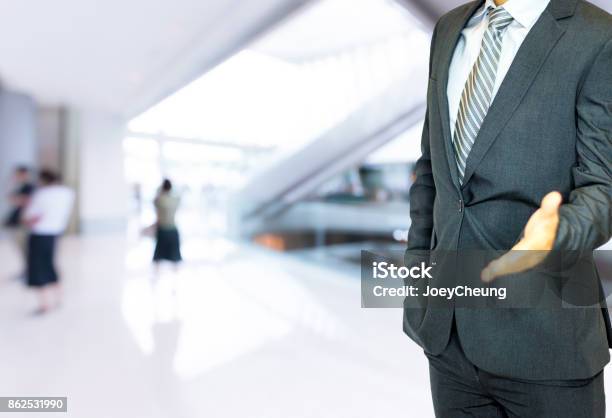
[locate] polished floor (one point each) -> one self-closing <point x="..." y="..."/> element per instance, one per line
<point x="236" y="332"/>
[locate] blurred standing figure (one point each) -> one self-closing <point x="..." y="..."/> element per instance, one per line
<point x="19" y="198"/>
<point x="47" y="217"/>
<point x="168" y="245"/>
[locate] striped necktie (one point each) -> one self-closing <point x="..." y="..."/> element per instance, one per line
<point x="478" y="90"/>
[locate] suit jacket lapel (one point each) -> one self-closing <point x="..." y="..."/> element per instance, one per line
<point x="528" y="61"/>
<point x="447" y="41"/>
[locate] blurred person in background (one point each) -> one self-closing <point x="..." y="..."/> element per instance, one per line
<point x="18" y="199"/>
<point x="167" y="246"/>
<point x="46" y="216"/>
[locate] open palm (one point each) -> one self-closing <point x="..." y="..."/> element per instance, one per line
<point x="538" y="239"/>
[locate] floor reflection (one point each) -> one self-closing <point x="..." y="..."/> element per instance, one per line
<point x="222" y="308"/>
<point x="237" y="331"/>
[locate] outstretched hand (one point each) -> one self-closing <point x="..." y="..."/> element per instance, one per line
<point x="538" y="239"/>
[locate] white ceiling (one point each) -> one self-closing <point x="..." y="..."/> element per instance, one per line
<point x="125" y="55"/>
<point x="122" y="55"/>
<point x="326" y="27"/>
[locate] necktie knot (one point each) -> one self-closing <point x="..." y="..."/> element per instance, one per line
<point x="499" y="18"/>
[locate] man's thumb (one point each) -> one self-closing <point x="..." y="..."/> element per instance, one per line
<point x="551" y="202"/>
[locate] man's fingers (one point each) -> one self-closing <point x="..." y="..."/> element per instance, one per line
<point x="507" y="264"/>
<point x="512" y="262"/>
<point x="551" y="202"/>
<point x="488" y="274"/>
<point x="530" y="251"/>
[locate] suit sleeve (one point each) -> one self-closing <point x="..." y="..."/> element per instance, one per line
<point x="423" y="191"/>
<point x="586" y="219"/>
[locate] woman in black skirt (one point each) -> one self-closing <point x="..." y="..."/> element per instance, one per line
<point x="168" y="246"/>
<point x="46" y="216"/>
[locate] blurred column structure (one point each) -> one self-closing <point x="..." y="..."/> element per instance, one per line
<point x="92" y="157"/>
<point x="50" y="133"/>
<point x="17" y="139"/>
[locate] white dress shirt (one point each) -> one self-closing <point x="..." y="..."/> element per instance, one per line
<point x="525" y="14"/>
<point x="52" y="206"/>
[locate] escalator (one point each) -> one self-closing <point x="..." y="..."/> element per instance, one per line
<point x="268" y="200"/>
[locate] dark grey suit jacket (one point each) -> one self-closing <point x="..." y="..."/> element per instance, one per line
<point x="548" y="128"/>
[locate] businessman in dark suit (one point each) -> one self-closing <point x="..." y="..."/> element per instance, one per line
<point x="516" y="154"/>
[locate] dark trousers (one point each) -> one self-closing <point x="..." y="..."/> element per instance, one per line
<point x="459" y="389"/>
<point x="41" y="254"/>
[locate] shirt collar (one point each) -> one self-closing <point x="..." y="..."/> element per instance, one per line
<point x="525" y="12"/>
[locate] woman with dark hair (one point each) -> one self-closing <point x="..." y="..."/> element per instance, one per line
<point x="168" y="245"/>
<point x="46" y="216"/>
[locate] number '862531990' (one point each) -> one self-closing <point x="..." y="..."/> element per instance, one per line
<point x="35" y="404"/>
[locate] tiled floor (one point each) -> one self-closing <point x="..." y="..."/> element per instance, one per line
<point x="237" y="332"/>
